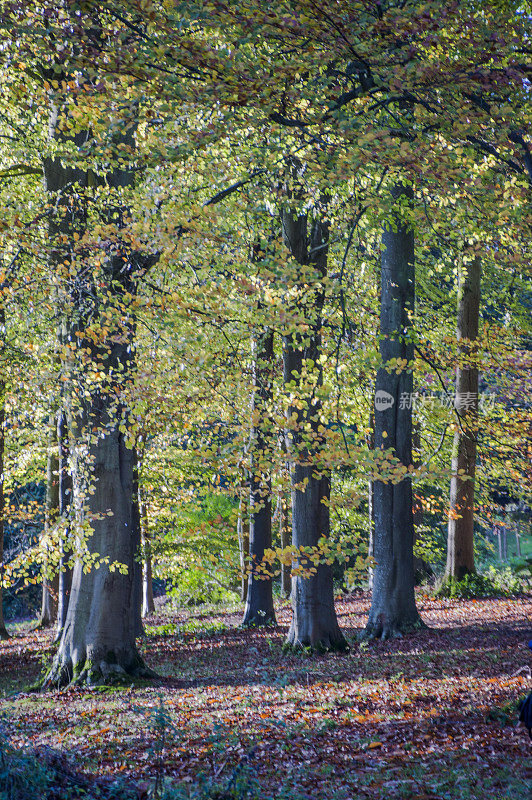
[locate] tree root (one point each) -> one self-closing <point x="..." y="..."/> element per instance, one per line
<point x="389" y="630"/>
<point x="259" y="621"/>
<point x="104" y="673"/>
<point x="42" y="624"/>
<point x="338" y="644"/>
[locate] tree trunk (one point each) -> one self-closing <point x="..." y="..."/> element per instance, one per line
<point x="371" y="507"/>
<point x="243" y="545"/>
<point x="314" y="623"/>
<point x="148" y="605"/>
<point x="64" y="499"/>
<point x="50" y="583"/>
<point x="3" y="630"/>
<point x="497" y="533"/>
<point x="422" y="569"/>
<point x="65" y="187"/>
<point x="98" y="640"/>
<point x="460" y="550"/>
<point x="259" y="608"/>
<point x="284" y="531"/>
<point x="138" y="569"/>
<point x="393" y="608"/>
<point x="504" y="543"/>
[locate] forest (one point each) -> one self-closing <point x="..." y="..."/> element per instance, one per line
<point x="265" y="399"/>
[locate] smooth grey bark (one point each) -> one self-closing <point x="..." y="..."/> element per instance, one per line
<point x="504" y="537"/>
<point x="50" y="582"/>
<point x="3" y="630"/>
<point x="460" y="546"/>
<point x="517" y="531"/>
<point x="136" y="533"/>
<point x="98" y="640"/>
<point x="66" y="187"/>
<point x="371" y="506"/>
<point x="148" y="604"/>
<point x="259" y="608"/>
<point x="285" y="537"/>
<point x="422" y="569"/>
<point x="64" y="509"/>
<point x="393" y="607"/>
<point x="314" y="622"/>
<point x="243" y="545"/>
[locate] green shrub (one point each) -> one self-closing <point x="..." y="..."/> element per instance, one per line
<point x="523" y="567"/>
<point x="493" y="583"/>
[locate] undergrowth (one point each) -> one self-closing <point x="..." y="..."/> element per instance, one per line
<point x="492" y="583"/>
<point x="47" y="774"/>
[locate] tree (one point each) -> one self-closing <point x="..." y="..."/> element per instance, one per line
<point x="148" y="604"/>
<point x="393" y="608"/>
<point x="3" y="630"/>
<point x="284" y="537"/>
<point x="98" y="640"/>
<point x="259" y="608"/>
<point x="64" y="512"/>
<point x="242" y="532"/>
<point x="349" y="68"/>
<point x="314" y="623"/>
<point x="65" y="185"/>
<point x="50" y="582"/>
<point x="460" y="549"/>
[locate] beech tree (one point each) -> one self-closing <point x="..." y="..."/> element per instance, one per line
<point x="103" y="618"/>
<point x="314" y="623"/>
<point x="393" y="608"/>
<point x="66" y="185"/>
<point x="247" y="103"/>
<point x="259" y="608"/>
<point x="3" y="630"/>
<point x="148" y="603"/>
<point x="50" y="583"/>
<point x="460" y="543"/>
<point x="64" y="491"/>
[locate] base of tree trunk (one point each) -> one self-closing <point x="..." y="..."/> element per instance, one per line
<point x="317" y="641"/>
<point x="457" y="574"/>
<point x="259" y="620"/>
<point x="390" y="629"/>
<point x="43" y="623"/>
<point x="4" y="634"/>
<point x="148" y="610"/>
<point x="106" y="672"/>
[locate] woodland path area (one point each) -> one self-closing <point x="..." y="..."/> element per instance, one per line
<point x="430" y="716"/>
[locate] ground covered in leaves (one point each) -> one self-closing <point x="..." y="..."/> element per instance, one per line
<point x="428" y="717"/>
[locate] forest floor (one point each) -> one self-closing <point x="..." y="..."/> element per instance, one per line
<point x="428" y="717"/>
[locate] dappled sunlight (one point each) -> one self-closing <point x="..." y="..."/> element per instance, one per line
<point x="387" y="714"/>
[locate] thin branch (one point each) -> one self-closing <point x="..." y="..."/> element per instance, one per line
<point x="217" y="198"/>
<point x="435" y="368"/>
<point x="435" y="453"/>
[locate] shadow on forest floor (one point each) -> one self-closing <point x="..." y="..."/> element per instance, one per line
<point x="430" y="716"/>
